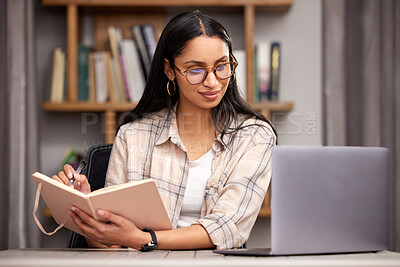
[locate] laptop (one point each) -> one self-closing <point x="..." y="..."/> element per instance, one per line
<point x="327" y="200"/>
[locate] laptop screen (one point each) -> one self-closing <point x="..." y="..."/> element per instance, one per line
<point x="329" y="199"/>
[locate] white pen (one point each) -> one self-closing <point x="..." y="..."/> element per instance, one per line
<point x="81" y="166"/>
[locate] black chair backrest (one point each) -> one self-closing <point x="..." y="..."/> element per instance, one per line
<point x="97" y="163"/>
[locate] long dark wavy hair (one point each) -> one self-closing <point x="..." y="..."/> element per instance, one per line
<point x="174" y="38"/>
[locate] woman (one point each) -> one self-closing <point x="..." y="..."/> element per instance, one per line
<point x="208" y="152"/>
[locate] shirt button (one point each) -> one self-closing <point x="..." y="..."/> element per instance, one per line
<point x="213" y="184"/>
<point x="218" y="154"/>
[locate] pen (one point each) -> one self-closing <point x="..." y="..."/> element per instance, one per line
<point x="81" y="166"/>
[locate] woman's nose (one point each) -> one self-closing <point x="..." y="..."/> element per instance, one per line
<point x="210" y="80"/>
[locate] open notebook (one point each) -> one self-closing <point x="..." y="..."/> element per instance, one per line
<point x="140" y="202"/>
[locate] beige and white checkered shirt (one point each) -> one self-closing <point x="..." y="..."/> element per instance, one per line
<point x="241" y="172"/>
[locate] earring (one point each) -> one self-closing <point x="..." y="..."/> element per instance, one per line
<point x="232" y="80"/>
<point x="168" y="88"/>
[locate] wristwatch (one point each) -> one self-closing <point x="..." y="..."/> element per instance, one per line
<point x="153" y="244"/>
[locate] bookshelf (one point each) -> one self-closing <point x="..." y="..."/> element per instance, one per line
<point x="123" y="14"/>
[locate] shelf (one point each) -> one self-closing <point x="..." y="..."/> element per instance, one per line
<point x="126" y="106"/>
<point x="278" y="5"/>
<point x="273" y="106"/>
<point x="268" y="107"/>
<point x="88" y="107"/>
<point x="265" y="212"/>
<point x="110" y="110"/>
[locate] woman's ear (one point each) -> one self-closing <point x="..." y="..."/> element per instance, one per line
<point x="168" y="70"/>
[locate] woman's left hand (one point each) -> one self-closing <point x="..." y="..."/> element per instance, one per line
<point x="115" y="230"/>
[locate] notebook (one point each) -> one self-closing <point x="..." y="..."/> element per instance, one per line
<point x="327" y="200"/>
<point x="140" y="202"/>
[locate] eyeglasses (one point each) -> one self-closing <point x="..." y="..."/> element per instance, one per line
<point x="196" y="75"/>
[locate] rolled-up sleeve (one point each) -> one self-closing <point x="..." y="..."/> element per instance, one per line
<point x="117" y="165"/>
<point x="239" y="199"/>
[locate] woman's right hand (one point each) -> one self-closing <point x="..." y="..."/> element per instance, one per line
<point x="81" y="182"/>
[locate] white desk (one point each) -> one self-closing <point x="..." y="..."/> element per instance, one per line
<point x="128" y="257"/>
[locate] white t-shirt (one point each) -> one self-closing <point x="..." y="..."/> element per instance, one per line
<point x="199" y="172"/>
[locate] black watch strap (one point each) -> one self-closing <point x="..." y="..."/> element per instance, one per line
<point x="153" y="244"/>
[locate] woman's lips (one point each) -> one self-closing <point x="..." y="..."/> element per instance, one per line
<point x="210" y="95"/>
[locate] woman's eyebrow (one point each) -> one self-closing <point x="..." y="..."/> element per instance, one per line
<point x="201" y="62"/>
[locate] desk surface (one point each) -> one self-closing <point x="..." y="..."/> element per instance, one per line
<point x="129" y="257"/>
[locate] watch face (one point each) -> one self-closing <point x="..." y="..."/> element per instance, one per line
<point x="146" y="248"/>
<point x="149" y="247"/>
<point x="153" y="244"/>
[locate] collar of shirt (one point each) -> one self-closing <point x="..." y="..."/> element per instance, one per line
<point x="170" y="131"/>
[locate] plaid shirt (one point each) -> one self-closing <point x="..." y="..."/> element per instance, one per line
<point x="241" y="172"/>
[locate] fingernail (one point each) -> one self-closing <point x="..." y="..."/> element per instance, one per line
<point x="101" y="212"/>
<point x="73" y="209"/>
<point x="77" y="176"/>
<point x="69" y="175"/>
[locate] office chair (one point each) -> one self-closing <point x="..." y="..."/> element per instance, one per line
<point x="97" y="164"/>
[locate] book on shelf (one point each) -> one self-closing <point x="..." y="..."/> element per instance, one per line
<point x="266" y="71"/>
<point x="139" y="202"/>
<point x="92" y="78"/>
<point x="53" y="89"/>
<point x="105" y="81"/>
<point x="130" y="61"/>
<point x="115" y="57"/>
<point x="62" y="81"/>
<point x="65" y="79"/>
<point x="133" y="69"/>
<point x="273" y="93"/>
<point x="138" y="37"/>
<point x="114" y="80"/>
<point x="57" y="94"/>
<point x="263" y="69"/>
<point x="115" y="76"/>
<point x="83" y="73"/>
<point x="149" y="39"/>
<point x="110" y="78"/>
<point x="255" y="77"/>
<point x="118" y="39"/>
<point x="124" y="77"/>
<point x="100" y="72"/>
<point x="240" y="56"/>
